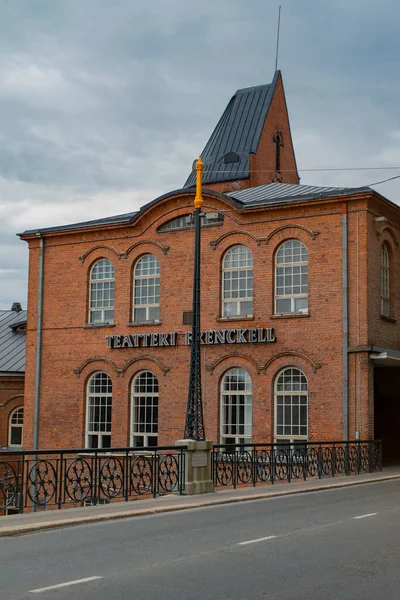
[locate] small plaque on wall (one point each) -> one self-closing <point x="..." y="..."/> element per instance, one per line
<point x="199" y="459"/>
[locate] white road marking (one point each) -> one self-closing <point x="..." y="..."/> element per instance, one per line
<point x="263" y="539"/>
<point x="365" y="516"/>
<point x="66" y="584"/>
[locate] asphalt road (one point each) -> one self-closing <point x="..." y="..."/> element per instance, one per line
<point x="333" y="545"/>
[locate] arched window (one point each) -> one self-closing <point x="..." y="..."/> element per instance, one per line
<point x="237" y="282"/>
<point x="291" y="405"/>
<point x="146" y="290"/>
<point x="99" y="408"/>
<point x="385" y="281"/>
<point x="144" y="410"/>
<point x="16" y="427"/>
<point x="291" y="278"/>
<point x="101" y="295"/>
<point x="236" y="407"/>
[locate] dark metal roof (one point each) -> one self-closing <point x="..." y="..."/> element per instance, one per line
<point x="262" y="195"/>
<point x="125" y="218"/>
<point x="237" y="132"/>
<point x="12" y="343"/>
<point x="280" y="193"/>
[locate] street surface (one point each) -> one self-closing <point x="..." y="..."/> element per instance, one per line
<point x="333" y="545"/>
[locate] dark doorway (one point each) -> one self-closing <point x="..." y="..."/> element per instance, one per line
<point x="387" y="411"/>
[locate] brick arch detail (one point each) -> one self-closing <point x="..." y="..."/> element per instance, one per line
<point x="155" y="361"/>
<point x="234" y="355"/>
<point x="94" y="359"/>
<point x="16" y="397"/>
<point x="100" y="247"/>
<point x="284" y="229"/>
<point x="239" y="232"/>
<point x="298" y="355"/>
<point x="388" y="232"/>
<point x="164" y="249"/>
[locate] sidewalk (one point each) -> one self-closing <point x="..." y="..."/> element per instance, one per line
<point x="31" y="522"/>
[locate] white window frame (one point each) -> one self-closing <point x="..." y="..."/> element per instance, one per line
<point x="145" y="281"/>
<point x="108" y="396"/>
<point x="15" y="426"/>
<point x="303" y="270"/>
<point x="94" y="288"/>
<point x="385" y="280"/>
<point x="227" y="424"/>
<point x="242" y="273"/>
<point x="151" y="399"/>
<point x="290" y="437"/>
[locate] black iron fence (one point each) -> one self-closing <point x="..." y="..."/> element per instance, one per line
<point x="249" y="464"/>
<point x="57" y="478"/>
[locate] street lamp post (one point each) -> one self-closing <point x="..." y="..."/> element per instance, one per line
<point x="194" y="424"/>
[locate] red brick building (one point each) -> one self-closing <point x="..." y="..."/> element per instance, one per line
<point x="299" y="305"/>
<point x="12" y="374"/>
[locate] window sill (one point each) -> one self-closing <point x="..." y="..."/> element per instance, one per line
<point x="388" y="319"/>
<point x="291" y="316"/>
<point x="94" y="325"/>
<point x="141" y="323"/>
<point x="229" y="319"/>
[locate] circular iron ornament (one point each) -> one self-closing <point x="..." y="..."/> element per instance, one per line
<point x="297" y="463"/>
<point x="224" y="468"/>
<point x="141" y="475"/>
<point x="327" y="461"/>
<point x="340" y="459"/>
<point x="312" y="462"/>
<point x="168" y="473"/>
<point x="364" y="459"/>
<point x="263" y="465"/>
<point x="244" y="467"/>
<point x="8" y="485"/>
<point x="111" y="478"/>
<point x="78" y="480"/>
<point x="42" y="482"/>
<point x="353" y="459"/>
<point x="281" y="464"/>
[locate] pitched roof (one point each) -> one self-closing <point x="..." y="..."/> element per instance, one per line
<point x="226" y="155"/>
<point x="12" y="343"/>
<point x="282" y="193"/>
<point x="262" y="195"/>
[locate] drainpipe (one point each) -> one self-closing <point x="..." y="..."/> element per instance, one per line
<point x="345" y="324"/>
<point x="36" y="409"/>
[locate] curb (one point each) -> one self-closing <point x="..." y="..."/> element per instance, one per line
<point x="32" y="528"/>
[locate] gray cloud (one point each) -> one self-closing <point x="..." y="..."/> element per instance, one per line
<point x="104" y="105"/>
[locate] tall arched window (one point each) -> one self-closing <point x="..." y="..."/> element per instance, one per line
<point x="101" y="293"/>
<point x="385" y="281"/>
<point x="291" y="405"/>
<point x="16" y="427"/>
<point x="291" y="278"/>
<point x="144" y="419"/>
<point x="146" y="290"/>
<point x="237" y="282"/>
<point x="98" y="411"/>
<point x="236" y="407"/>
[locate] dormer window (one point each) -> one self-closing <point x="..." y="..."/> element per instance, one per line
<point x="187" y="221"/>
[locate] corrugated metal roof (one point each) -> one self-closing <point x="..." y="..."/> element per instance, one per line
<point x="278" y="193"/>
<point x="125" y="218"/>
<point x="239" y="131"/>
<point x="12" y="343"/>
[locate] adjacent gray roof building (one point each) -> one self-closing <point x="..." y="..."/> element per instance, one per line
<point x="12" y="342"/>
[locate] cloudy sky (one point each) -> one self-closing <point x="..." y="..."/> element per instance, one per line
<point x="105" y="104"/>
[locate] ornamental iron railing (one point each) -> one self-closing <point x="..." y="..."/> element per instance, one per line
<point x="250" y="464"/>
<point x="60" y="478"/>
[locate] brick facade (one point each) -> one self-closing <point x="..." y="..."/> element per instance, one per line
<point x="73" y="351"/>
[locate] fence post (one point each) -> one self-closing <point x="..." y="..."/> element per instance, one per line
<point x="197" y="462"/>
